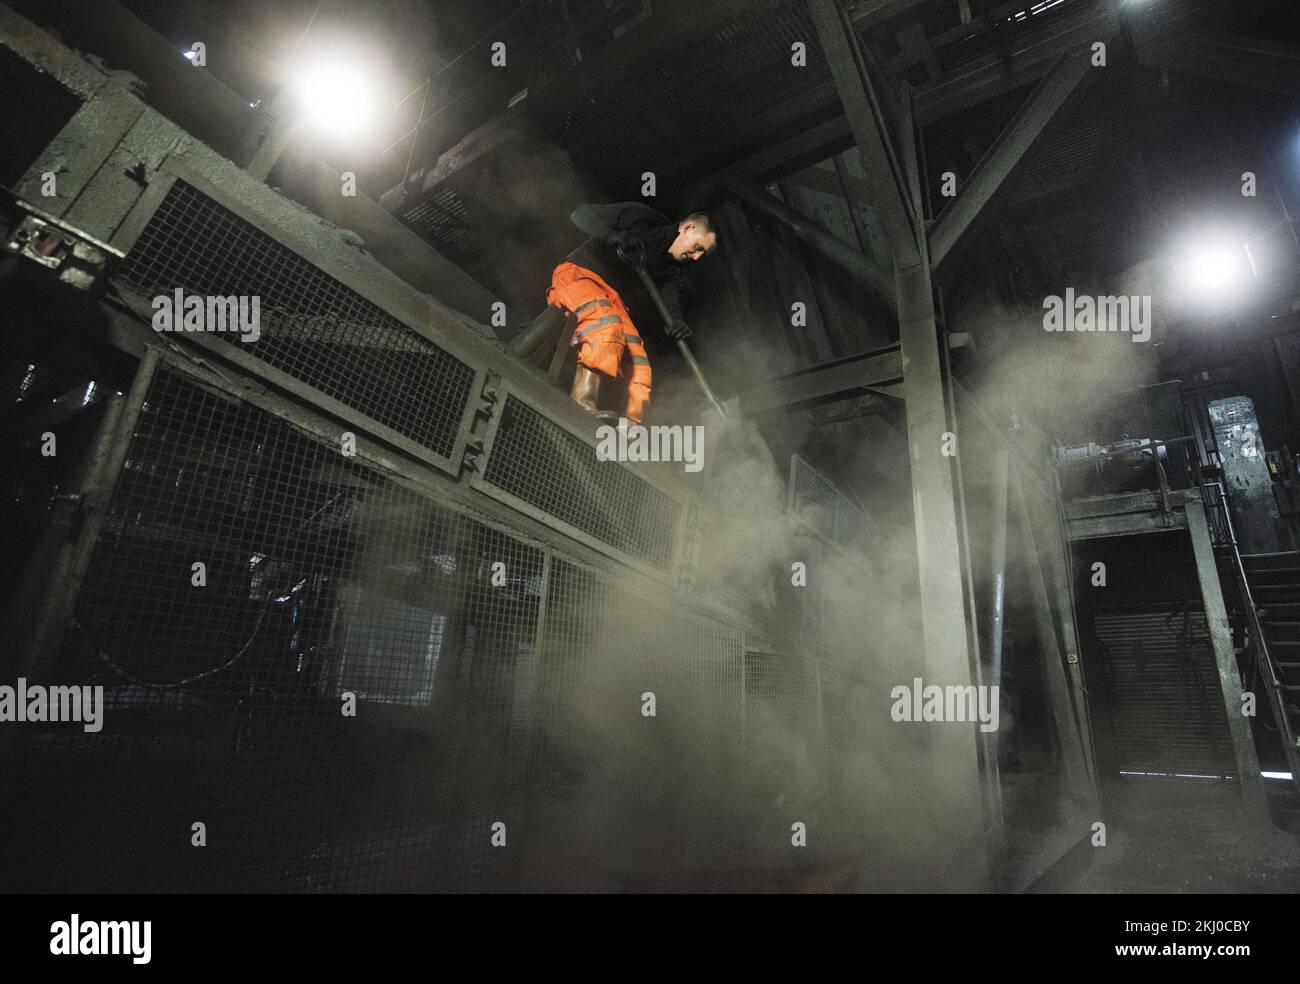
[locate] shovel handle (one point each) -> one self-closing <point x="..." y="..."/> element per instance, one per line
<point x="636" y="260"/>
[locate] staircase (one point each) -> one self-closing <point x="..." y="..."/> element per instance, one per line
<point x="1274" y="581"/>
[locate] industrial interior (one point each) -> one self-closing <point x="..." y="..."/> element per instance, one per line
<point x="625" y="446"/>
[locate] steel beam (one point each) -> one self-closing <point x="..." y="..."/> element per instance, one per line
<point x="866" y="13"/>
<point x="838" y="380"/>
<point x="1063" y="712"/>
<point x="961" y="216"/>
<point x="821" y="239"/>
<point x="1008" y="68"/>
<point x="1061" y="572"/>
<point x="1239" y="61"/>
<point x="816" y="102"/>
<point x="946" y="657"/>
<point x="867" y="124"/>
<point x="980" y="79"/>
<point x="776" y="160"/>
<point x="1216" y="621"/>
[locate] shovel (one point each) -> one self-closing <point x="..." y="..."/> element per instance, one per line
<point x="636" y="260"/>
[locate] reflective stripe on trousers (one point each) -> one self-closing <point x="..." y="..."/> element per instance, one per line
<point x="604" y="332"/>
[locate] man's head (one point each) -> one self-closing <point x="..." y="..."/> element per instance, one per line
<point x="696" y="238"/>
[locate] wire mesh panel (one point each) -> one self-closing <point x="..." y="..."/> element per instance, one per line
<point x="784" y="686"/>
<point x="312" y="327"/>
<point x="813" y="500"/>
<point x="544" y="465"/>
<point x="251" y="584"/>
<point x="444" y="220"/>
<point x="727" y="573"/>
<point x="227" y="684"/>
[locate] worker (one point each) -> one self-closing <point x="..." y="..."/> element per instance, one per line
<point x="593" y="281"/>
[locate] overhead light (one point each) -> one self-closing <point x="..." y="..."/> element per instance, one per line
<point x="1211" y="268"/>
<point x="1214" y="268"/>
<point x="336" y="99"/>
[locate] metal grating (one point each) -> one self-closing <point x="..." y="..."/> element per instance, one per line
<point x="732" y="580"/>
<point x="443" y="219"/>
<point x="1167" y="707"/>
<point x="540" y="463"/>
<point x="813" y="499"/>
<point x="785" y="686"/>
<point x="312" y="327"/>
<point x="828" y="513"/>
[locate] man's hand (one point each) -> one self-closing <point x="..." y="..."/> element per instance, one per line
<point x="679" y="331"/>
<point x="625" y="240"/>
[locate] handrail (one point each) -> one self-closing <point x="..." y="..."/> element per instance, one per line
<point x="1227" y="539"/>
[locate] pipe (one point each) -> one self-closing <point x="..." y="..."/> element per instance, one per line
<point x="1001" y="472"/>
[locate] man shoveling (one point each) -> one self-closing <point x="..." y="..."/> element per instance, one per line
<point x="593" y="281"/>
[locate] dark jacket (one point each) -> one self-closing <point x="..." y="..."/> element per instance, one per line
<point x="656" y="232"/>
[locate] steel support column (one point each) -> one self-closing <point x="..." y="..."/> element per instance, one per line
<point x="997" y="607"/>
<point x="1225" y="659"/>
<point x="104" y="468"/>
<point x="1058" y="690"/>
<point x="955" y="771"/>
<point x="1061" y="569"/>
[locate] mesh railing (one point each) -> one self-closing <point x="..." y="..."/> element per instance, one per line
<point x="225" y="684"/>
<point x="495" y="682"/>
<point x="312" y="327"/>
<point x="540" y="463"/>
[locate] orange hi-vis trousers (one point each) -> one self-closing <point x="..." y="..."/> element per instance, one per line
<point x="604" y="331"/>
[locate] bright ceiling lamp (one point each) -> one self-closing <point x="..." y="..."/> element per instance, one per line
<point x="1214" y="268"/>
<point x="336" y="99"/>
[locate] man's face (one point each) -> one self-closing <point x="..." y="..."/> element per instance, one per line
<point x="692" y="242"/>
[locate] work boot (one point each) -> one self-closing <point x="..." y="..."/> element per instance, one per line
<point x="586" y="393"/>
<point x="586" y="388"/>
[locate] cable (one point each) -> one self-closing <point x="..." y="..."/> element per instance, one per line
<point x="108" y="660"/>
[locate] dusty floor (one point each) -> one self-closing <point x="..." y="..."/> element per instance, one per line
<point x="1161" y="837"/>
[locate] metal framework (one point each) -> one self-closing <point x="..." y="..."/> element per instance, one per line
<point x="370" y="574"/>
